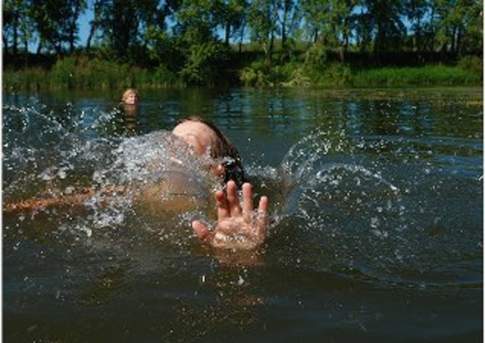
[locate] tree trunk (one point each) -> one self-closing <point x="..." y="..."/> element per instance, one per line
<point x="94" y="23"/>
<point x="72" y="28"/>
<point x="432" y="29"/>
<point x="5" y="42"/>
<point x="283" y="35"/>
<point x="57" y="47"/>
<point x="453" y="40"/>
<point x="283" y="26"/>
<point x="91" y="34"/>
<point x="15" y="34"/>
<point x="26" y="55"/>
<point x="417" y="35"/>
<point x="343" y="49"/>
<point x="39" y="47"/>
<point x="227" y="33"/>
<point x="269" y="51"/>
<point x="71" y="42"/>
<point x="241" y="38"/>
<point x="341" y="54"/>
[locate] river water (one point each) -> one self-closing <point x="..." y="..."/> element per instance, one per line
<point x="376" y="201"/>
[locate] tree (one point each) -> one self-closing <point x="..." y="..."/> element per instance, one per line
<point x="263" y="15"/>
<point x="289" y="19"/>
<point x="95" y="23"/>
<point x="56" y="22"/>
<point x="387" y="24"/>
<point x="457" y="21"/>
<point x="197" y="22"/>
<point x="314" y="17"/>
<point x="16" y="24"/>
<point x="231" y="16"/>
<point x="74" y="9"/>
<point x="416" y="12"/>
<point x="119" y="23"/>
<point x="331" y="22"/>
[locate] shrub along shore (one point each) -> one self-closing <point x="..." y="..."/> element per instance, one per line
<point x="311" y="69"/>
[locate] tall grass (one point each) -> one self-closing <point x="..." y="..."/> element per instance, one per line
<point x="432" y="75"/>
<point x="336" y="75"/>
<point x="314" y="71"/>
<point x="84" y="73"/>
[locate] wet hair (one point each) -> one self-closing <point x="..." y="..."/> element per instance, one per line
<point x="128" y="92"/>
<point x="223" y="149"/>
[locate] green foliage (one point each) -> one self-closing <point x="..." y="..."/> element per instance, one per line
<point x="56" y="21"/>
<point x="387" y="22"/>
<point x="131" y="28"/>
<point x="85" y="73"/>
<point x="298" y="78"/>
<point x="433" y="75"/>
<point x="316" y="57"/>
<point x="336" y="75"/>
<point x="163" y="77"/>
<point x="473" y="64"/>
<point x="292" y="43"/>
<point x="120" y="25"/>
<point x="63" y="71"/>
<point x="259" y="74"/>
<point x="262" y="17"/>
<point x="316" y="73"/>
<point x="331" y="21"/>
<point x="31" y="78"/>
<point x="256" y="75"/>
<point x="204" y="62"/>
<point x="319" y="70"/>
<point x="295" y="74"/>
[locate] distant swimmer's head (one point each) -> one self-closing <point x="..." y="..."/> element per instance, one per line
<point x="130" y="97"/>
<point x="204" y="137"/>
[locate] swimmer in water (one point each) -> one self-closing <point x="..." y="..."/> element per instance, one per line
<point x="130" y="97"/>
<point x="238" y="226"/>
<point x="129" y="106"/>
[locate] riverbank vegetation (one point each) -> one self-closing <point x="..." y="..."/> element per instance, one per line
<point x="261" y="43"/>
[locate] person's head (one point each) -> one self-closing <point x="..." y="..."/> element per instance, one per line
<point x="130" y="97"/>
<point x="203" y="137"/>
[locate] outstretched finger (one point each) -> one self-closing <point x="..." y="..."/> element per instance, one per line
<point x="201" y="230"/>
<point x="232" y="199"/>
<point x="262" y="220"/>
<point x="222" y="207"/>
<point x="247" y="207"/>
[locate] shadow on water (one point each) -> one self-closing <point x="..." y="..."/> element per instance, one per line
<point x="376" y="206"/>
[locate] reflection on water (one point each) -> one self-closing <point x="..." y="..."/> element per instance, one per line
<point x="376" y="200"/>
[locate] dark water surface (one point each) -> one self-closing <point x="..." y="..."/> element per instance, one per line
<point x="377" y="205"/>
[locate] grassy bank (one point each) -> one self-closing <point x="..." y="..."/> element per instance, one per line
<point x="437" y="75"/>
<point x="84" y="73"/>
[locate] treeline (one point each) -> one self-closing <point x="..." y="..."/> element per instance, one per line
<point x="256" y="41"/>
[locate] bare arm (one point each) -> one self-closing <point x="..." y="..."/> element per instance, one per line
<point x="165" y="196"/>
<point x="59" y="200"/>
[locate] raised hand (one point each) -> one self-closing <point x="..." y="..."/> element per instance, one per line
<point x="238" y="227"/>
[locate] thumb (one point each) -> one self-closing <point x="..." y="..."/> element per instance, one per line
<point x="200" y="230"/>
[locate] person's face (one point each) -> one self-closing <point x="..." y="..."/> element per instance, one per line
<point x="200" y="138"/>
<point x="131" y="99"/>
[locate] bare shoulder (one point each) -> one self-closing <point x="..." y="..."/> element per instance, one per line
<point x="174" y="193"/>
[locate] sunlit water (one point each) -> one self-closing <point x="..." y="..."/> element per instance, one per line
<point x="376" y="201"/>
